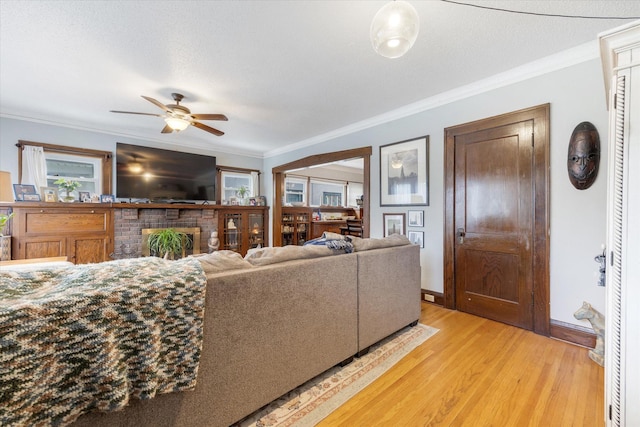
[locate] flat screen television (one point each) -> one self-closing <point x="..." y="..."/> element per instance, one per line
<point x="156" y="175"/>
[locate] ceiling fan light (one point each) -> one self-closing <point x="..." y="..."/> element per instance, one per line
<point x="176" y="123"/>
<point x="135" y="167"/>
<point x="394" y="29"/>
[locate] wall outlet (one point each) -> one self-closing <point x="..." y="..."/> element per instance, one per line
<point x="428" y="297"/>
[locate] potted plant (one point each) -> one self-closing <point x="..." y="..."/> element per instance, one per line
<point x="5" y="241"/>
<point x="68" y="185"/>
<point x="168" y="243"/>
<point x="243" y="193"/>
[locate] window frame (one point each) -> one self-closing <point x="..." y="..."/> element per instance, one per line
<point x="222" y="170"/>
<point x="105" y="157"/>
<point x="337" y="183"/>
<point x="64" y="157"/>
<point x="297" y="179"/>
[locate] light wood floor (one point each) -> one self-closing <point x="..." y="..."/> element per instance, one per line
<point x="476" y="372"/>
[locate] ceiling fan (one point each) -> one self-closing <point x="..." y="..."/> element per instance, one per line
<point x="178" y="117"/>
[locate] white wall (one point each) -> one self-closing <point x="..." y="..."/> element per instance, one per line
<point x="12" y="130"/>
<point x="577" y="221"/>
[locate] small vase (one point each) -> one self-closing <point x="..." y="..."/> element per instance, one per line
<point x="68" y="198"/>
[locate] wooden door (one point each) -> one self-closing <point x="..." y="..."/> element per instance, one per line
<point x="499" y="249"/>
<point x="494" y="223"/>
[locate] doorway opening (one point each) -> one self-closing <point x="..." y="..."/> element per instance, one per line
<point x="280" y="191"/>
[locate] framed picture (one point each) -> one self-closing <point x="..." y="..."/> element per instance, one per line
<point x="416" y="237"/>
<point x="31" y="197"/>
<point x="107" y="198"/>
<point x="416" y="218"/>
<point x="393" y="223"/>
<point x="49" y="194"/>
<point x="84" y="196"/>
<point x="404" y="173"/>
<point x="19" y="190"/>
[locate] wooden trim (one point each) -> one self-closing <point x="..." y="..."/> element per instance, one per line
<point x="437" y="296"/>
<point x="540" y="115"/>
<point x="278" y="197"/>
<point x="106" y="156"/>
<point x="235" y="169"/>
<point x="572" y="333"/>
<point x="64" y="149"/>
<point x="318" y="159"/>
<point x="116" y="205"/>
<point x="220" y="169"/>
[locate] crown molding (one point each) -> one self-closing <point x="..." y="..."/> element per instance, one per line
<point x="567" y="58"/>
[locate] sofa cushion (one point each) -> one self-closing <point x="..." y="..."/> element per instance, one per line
<point x="221" y="261"/>
<point x="273" y="255"/>
<point x="360" y="244"/>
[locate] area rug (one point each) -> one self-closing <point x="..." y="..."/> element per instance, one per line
<point x="308" y="404"/>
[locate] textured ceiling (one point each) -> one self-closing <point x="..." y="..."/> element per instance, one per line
<point x="284" y="72"/>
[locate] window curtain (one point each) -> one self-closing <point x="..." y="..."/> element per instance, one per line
<point x="255" y="181"/>
<point x="34" y="166"/>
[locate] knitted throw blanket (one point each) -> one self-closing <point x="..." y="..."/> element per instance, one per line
<point x="87" y="337"/>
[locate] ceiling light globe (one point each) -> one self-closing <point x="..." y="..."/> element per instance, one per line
<point x="177" y="123"/>
<point x="394" y="29"/>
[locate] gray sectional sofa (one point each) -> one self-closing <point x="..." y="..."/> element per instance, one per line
<point x="278" y="322"/>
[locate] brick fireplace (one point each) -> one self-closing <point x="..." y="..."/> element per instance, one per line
<point x="129" y="223"/>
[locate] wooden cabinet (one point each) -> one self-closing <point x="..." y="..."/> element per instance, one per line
<point x="319" y="227"/>
<point x="295" y="226"/>
<point x="243" y="228"/>
<point x="81" y="233"/>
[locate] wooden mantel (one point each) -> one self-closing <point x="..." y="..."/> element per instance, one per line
<point x="94" y="232"/>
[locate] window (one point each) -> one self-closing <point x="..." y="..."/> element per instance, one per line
<point x="233" y="179"/>
<point x="355" y="190"/>
<point x="326" y="193"/>
<point x="92" y="168"/>
<point x="295" y="190"/>
<point x="86" y="170"/>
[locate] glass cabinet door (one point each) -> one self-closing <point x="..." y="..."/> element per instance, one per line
<point x="232" y="236"/>
<point x="302" y="228"/>
<point x="256" y="230"/>
<point x="287" y="229"/>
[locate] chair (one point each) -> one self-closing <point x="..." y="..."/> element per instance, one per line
<point x="353" y="228"/>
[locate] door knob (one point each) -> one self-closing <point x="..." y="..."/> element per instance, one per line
<point x="460" y="235"/>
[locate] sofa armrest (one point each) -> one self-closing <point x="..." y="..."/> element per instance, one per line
<point x="388" y="292"/>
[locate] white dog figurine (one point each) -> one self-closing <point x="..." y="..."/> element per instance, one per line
<point x="597" y="323"/>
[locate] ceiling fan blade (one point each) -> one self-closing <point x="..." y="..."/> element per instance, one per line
<point x="207" y="128"/>
<point x="210" y="117"/>
<point x="157" y="104"/>
<point x="132" y="112"/>
<point x="166" y="129"/>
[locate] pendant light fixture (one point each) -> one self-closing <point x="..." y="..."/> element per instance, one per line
<point x="394" y="29"/>
<point x="177" y="123"/>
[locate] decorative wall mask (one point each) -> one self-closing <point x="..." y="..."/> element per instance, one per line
<point x="584" y="156"/>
